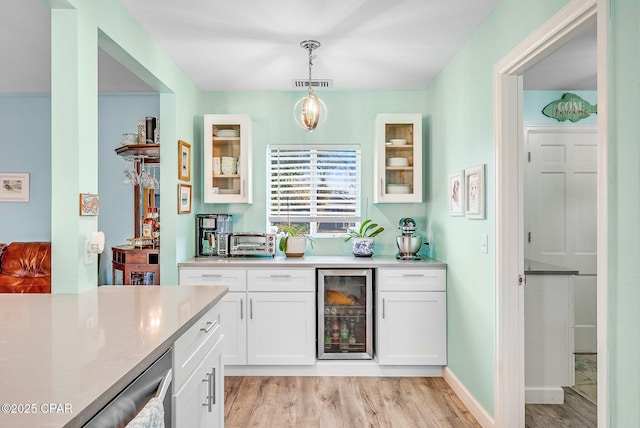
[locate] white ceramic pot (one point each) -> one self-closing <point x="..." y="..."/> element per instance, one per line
<point x="296" y="246"/>
<point x="363" y="247"/>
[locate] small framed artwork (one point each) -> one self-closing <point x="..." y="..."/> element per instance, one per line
<point x="474" y="192"/>
<point x="184" y="160"/>
<point x="89" y="204"/>
<point x="184" y="198"/>
<point x="456" y="193"/>
<point x="14" y="187"/>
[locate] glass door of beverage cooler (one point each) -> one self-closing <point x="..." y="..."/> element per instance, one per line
<point x="345" y="320"/>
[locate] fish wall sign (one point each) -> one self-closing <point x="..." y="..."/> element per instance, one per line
<point x="569" y="107"/>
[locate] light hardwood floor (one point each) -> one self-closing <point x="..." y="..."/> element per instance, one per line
<point x="342" y="402"/>
<point x="576" y="412"/>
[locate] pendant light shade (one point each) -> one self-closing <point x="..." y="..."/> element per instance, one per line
<point x="310" y="111"/>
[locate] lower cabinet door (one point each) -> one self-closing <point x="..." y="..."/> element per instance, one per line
<point x="234" y="329"/>
<point x="200" y="401"/>
<point x="411" y="328"/>
<point x="281" y="328"/>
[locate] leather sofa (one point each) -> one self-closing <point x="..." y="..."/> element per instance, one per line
<point x="25" y="267"/>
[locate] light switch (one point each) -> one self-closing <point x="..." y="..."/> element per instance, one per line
<point x="484" y="244"/>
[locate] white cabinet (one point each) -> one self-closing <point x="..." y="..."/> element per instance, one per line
<point x="398" y="158"/>
<point x="198" y="399"/>
<point x="233" y="307"/>
<point x="227" y="159"/>
<point x="269" y="315"/>
<point x="282" y="313"/>
<point x="411" y="317"/>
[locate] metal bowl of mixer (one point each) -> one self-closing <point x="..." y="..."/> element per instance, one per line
<point x="408" y="245"/>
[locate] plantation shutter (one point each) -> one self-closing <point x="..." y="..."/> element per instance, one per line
<point x="314" y="184"/>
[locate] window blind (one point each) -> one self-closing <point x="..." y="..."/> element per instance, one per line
<point x="313" y="183"/>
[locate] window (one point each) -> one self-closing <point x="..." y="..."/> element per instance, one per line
<point x="314" y="186"/>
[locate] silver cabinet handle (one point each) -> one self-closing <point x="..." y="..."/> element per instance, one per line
<point x="241" y="309"/>
<point x="381" y="187"/>
<point x="208" y="404"/>
<point x="250" y="308"/>
<point x="413" y="274"/>
<point x="209" y="326"/>
<point x="280" y="276"/>
<point x="383" y="308"/>
<point x="211" y="275"/>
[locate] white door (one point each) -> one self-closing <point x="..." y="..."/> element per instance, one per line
<point x="560" y="203"/>
<point x="560" y="213"/>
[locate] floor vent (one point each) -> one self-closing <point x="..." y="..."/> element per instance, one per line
<point x="315" y="83"/>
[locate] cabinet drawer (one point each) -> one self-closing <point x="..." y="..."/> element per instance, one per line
<point x="194" y="344"/>
<point x="392" y="279"/>
<point x="235" y="279"/>
<point x="281" y="280"/>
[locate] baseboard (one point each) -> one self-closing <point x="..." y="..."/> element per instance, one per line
<point x="478" y="412"/>
<point x="336" y="368"/>
<point x="543" y="395"/>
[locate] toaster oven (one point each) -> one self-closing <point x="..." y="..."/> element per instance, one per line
<point x="252" y="244"/>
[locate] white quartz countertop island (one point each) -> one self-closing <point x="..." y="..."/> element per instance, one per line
<point x="63" y="356"/>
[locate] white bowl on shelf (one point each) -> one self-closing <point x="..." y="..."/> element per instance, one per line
<point x="398" y="141"/>
<point x="398" y="189"/>
<point x="397" y="162"/>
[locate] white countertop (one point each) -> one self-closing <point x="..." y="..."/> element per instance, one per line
<point x="64" y="356"/>
<point x="312" y="261"/>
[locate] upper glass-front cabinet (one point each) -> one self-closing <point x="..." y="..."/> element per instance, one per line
<point x="398" y="158"/>
<point x="227" y="159"/>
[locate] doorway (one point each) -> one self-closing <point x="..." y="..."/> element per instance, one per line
<point x="508" y="90"/>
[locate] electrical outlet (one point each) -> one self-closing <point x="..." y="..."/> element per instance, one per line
<point x="89" y="257"/>
<point x="484" y="244"/>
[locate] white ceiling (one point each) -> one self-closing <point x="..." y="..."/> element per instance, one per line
<point x="254" y="44"/>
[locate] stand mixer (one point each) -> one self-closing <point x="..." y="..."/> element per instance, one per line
<point x="408" y="244"/>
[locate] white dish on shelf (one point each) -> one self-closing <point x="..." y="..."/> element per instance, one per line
<point x="226" y="133"/>
<point x="398" y="141"/>
<point x="397" y="162"/>
<point x="398" y="189"/>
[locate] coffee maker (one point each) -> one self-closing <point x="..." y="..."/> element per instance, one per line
<point x="212" y="234"/>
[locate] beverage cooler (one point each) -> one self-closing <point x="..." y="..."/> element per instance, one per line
<point x="345" y="307"/>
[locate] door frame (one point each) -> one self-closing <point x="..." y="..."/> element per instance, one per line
<point x="509" y="154"/>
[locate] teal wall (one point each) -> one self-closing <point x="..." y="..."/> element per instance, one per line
<point x="459" y="107"/>
<point x="25" y="136"/>
<point x="78" y="27"/>
<point x="351" y="120"/>
<point x="624" y="213"/>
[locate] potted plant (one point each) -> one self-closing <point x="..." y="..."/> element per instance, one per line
<point x="294" y="242"/>
<point x="363" y="238"/>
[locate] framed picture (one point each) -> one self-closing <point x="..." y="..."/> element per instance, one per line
<point x="14" y="187"/>
<point x="184" y="198"/>
<point x="89" y="204"/>
<point x="456" y="193"/>
<point x="184" y="160"/>
<point x="474" y="192"/>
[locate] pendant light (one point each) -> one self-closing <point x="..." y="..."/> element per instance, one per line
<point x="310" y="110"/>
